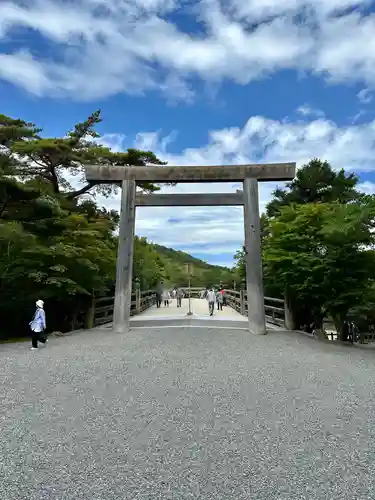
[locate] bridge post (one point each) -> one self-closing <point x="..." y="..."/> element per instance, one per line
<point x="290" y="323"/>
<point x="253" y="259"/>
<point x="242" y="298"/>
<point x="89" y="314"/>
<point x="137" y="300"/>
<point x="123" y="292"/>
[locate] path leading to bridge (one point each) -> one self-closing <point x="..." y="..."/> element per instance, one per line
<point x="186" y="413"/>
<point x="174" y="315"/>
<point x="199" y="308"/>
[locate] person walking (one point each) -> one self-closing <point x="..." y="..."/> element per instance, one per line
<point x="158" y="300"/>
<point x="220" y="300"/>
<point x="159" y="293"/>
<point x="179" y="296"/>
<point x="166" y="297"/>
<point x="222" y="291"/>
<point x="211" y="299"/>
<point x="38" y="325"/>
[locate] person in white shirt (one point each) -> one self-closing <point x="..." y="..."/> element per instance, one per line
<point x="166" y="297"/>
<point x="211" y="299"/>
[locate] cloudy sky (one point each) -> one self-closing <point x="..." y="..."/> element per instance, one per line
<point x="199" y="82"/>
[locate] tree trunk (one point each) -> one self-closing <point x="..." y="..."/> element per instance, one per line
<point x="74" y="320"/>
<point x="339" y="322"/>
<point x="302" y="315"/>
<point x="318" y="316"/>
<point x="54" y="181"/>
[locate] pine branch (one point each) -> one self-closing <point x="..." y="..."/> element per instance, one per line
<point x="78" y="192"/>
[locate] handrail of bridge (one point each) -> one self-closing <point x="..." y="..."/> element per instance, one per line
<point x="275" y="309"/>
<point x="237" y="299"/>
<point x="101" y="310"/>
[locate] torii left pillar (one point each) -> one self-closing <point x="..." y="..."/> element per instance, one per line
<point x="123" y="293"/>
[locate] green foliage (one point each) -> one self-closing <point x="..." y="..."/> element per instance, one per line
<point x="317" y="238"/>
<point x="51" y="160"/>
<point x="12" y="131"/>
<point x="240" y="265"/>
<point x="315" y="182"/>
<point x="319" y="252"/>
<point x="50" y="252"/>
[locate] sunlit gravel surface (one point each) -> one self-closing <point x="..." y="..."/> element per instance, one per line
<point x="203" y="414"/>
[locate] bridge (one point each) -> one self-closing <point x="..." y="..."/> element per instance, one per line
<point x="144" y="312"/>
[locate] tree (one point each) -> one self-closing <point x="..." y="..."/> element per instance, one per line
<point x="50" y="252"/>
<point x="53" y="160"/>
<point x="240" y="264"/>
<point x="320" y="252"/>
<point x="147" y="265"/>
<point x="315" y="182"/>
<point x="12" y="131"/>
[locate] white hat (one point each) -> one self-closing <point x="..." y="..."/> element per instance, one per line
<point x="40" y="303"/>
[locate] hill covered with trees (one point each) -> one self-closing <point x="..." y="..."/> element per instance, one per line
<point x="202" y="273"/>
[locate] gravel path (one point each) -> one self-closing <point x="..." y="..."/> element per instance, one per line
<point x="186" y="414"/>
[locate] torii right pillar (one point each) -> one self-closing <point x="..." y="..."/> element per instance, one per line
<point x="253" y="259"/>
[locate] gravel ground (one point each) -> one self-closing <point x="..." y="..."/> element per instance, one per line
<point x="186" y="414"/>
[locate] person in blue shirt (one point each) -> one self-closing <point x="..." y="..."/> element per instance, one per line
<point x="38" y="325"/>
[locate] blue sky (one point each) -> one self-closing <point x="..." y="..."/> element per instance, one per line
<point x="199" y="82"/>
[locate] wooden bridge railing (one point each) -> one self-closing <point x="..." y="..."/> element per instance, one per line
<point x="101" y="310"/>
<point x="275" y="310"/>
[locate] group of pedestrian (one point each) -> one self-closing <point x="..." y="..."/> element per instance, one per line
<point x="213" y="297"/>
<point x="165" y="296"/>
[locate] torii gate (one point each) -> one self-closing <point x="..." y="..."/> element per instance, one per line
<point x="249" y="175"/>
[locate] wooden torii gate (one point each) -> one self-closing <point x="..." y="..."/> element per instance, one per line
<point x="249" y="175"/>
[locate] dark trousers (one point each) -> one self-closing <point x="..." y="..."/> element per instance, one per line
<point x="179" y="300"/>
<point x="211" y="307"/>
<point x="219" y="306"/>
<point x="37" y="337"/>
<point x="158" y="301"/>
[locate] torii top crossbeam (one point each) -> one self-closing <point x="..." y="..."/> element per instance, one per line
<point x="206" y="173"/>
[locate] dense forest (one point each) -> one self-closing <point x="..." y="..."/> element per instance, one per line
<point x="56" y="243"/>
<point x="318" y="248"/>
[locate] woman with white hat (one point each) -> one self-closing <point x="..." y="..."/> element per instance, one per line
<point x="37" y="325"/>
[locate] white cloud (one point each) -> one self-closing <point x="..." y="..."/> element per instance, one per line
<point x="260" y="140"/>
<point x="21" y="69"/>
<point x="103" y="47"/>
<point x="367" y="187"/>
<point x="306" y="110"/>
<point x="365" y="96"/>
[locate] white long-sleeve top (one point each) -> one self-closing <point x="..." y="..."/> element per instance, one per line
<point x="211" y="297"/>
